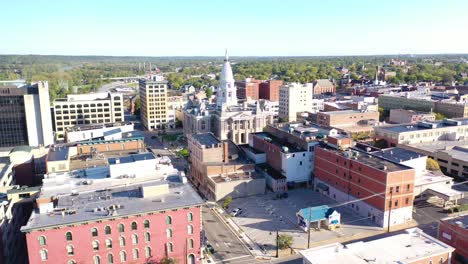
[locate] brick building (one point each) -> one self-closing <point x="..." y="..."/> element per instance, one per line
<point x="220" y="168"/>
<point x="454" y="231"/>
<point x="403" y="116"/>
<point x="248" y="89"/>
<point x="347" y="118"/>
<point x="321" y="86"/>
<point x="269" y="90"/>
<point x="346" y="174"/>
<point x="112" y="213"/>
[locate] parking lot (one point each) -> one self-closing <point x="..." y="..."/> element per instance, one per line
<point x="263" y="215"/>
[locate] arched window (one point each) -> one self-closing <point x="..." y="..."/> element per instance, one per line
<point x="123" y="256"/>
<point x="110" y="258"/>
<point x="170" y="247"/>
<point x="108" y="243"/>
<point x="134" y="226"/>
<point x="136" y="254"/>
<point x="169" y="232"/>
<point x="122" y="241"/>
<point x="71" y="261"/>
<point x="147" y="237"/>
<point x="191" y="259"/>
<point x="70" y="250"/>
<point x="148" y="252"/>
<point x="190" y="243"/>
<point x="97" y="260"/>
<point x="43" y="253"/>
<point x="95" y="245"/>
<point x="190" y="217"/>
<point x="146" y="224"/>
<point x="441" y="260"/>
<point x="121" y="228"/>
<point x="94" y="232"/>
<point x="168" y="220"/>
<point x="69" y="236"/>
<point x="107" y="230"/>
<point x="135" y="239"/>
<point x="190" y="229"/>
<point x="42" y="240"/>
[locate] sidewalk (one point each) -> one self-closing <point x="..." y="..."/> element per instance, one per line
<point x="252" y="246"/>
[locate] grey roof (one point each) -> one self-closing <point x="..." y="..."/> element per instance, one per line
<point x="132" y="158"/>
<point x="416" y="127"/>
<point x="129" y="198"/>
<point x="206" y="139"/>
<point x="58" y="153"/>
<point x="112" y="132"/>
<point x="397" y="154"/>
<point x="323" y="82"/>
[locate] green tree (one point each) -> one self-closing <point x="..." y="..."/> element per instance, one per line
<point x="381" y="144"/>
<point x="432" y="165"/>
<point x="226" y="202"/>
<point x="383" y="114"/>
<point x="184" y="153"/>
<point x="284" y="241"/>
<point x="439" y="116"/>
<point x="208" y="92"/>
<point x="137" y="106"/>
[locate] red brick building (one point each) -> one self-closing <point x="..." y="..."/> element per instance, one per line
<point x="454" y="232"/>
<point x="269" y="90"/>
<point x="323" y="86"/>
<point x="142" y="223"/>
<point x="248" y="88"/>
<point x="347" y="174"/>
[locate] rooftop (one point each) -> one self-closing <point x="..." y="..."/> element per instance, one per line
<point x="206" y="139"/>
<point x="406" y="247"/>
<point x="369" y="160"/>
<point x="285" y="146"/>
<point x="115" y="202"/>
<point x="397" y="154"/>
<point x="343" y="112"/>
<point x="131" y="158"/>
<point x="456" y="149"/>
<point x="236" y="177"/>
<point x="85" y="127"/>
<point x="275" y="174"/>
<point x="425" y="125"/>
<point x="461" y="220"/>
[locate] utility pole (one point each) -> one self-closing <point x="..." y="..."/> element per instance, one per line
<point x="390" y="209"/>
<point x="308" y="227"/>
<point x="277" y="243"/>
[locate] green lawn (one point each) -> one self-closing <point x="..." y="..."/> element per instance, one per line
<point x="170" y="137"/>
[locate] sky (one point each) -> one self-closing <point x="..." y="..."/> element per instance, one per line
<point x="244" y="27"/>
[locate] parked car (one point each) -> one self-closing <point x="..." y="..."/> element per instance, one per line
<point x="210" y="248"/>
<point x="285" y="195"/>
<point x="236" y="212"/>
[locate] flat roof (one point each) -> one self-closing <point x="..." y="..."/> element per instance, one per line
<point x="407" y="247"/>
<point x="415" y="127"/>
<point x="344" y="112"/>
<point x="277" y="142"/>
<point x="58" y="153"/>
<point x="236" y="177"/>
<point x="369" y="160"/>
<point x="275" y="174"/>
<point x="206" y="139"/>
<point x="84" y="127"/>
<point x="397" y="154"/>
<point x="131" y="158"/>
<point x="461" y="220"/>
<point x="129" y="198"/>
<point x="456" y="149"/>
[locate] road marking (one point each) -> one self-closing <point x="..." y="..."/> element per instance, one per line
<point x="244" y="256"/>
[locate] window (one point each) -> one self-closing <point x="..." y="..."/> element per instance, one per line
<point x="190" y="217"/>
<point x="408" y="187"/>
<point x="146" y="224"/>
<point x="97" y="260"/>
<point x="190" y="229"/>
<point x="43" y="254"/>
<point x="148" y="252"/>
<point x="123" y="256"/>
<point x="134" y="226"/>
<point x="71" y="261"/>
<point x="190" y="243"/>
<point x="169" y="232"/>
<point x="121" y="228"/>
<point x="398" y="189"/>
<point x="136" y="254"/>
<point x="69" y="236"/>
<point x="168" y="220"/>
<point x="396" y="203"/>
<point x="70" y="251"/>
<point x="170" y="247"/>
<point x="42" y="240"/>
<point x="95" y="245"/>
<point x="407" y="200"/>
<point x="110" y="258"/>
<point x="122" y="241"/>
<point x="108" y="230"/>
<point x="94" y="232"/>
<point x="134" y="239"/>
<point x="108" y="243"/>
<point x="147" y="237"/>
<point x="441" y="260"/>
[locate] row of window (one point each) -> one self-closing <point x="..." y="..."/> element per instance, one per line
<point x="110" y="256"/>
<point x="121" y="228"/>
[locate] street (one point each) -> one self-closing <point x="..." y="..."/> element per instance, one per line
<point x="228" y="248"/>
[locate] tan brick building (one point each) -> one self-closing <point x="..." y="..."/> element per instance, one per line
<point x="323" y="86"/>
<point x="219" y="168"/>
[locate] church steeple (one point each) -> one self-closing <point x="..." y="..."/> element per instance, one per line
<point x="226" y="95"/>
